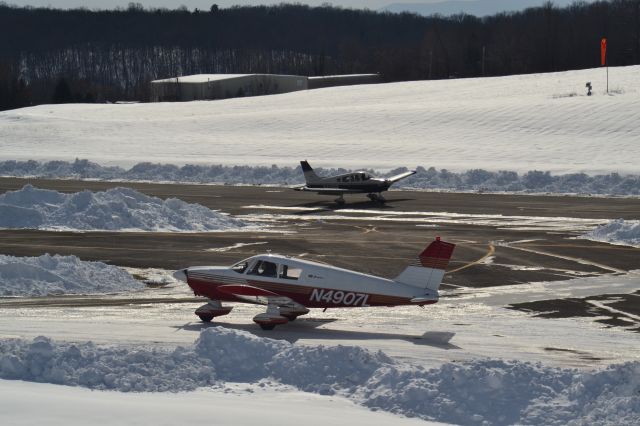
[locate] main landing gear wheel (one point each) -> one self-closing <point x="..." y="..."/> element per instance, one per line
<point x="268" y="320"/>
<point x="292" y="312"/>
<point x="205" y="317"/>
<point x="340" y="201"/>
<point x="267" y="326"/>
<point x="376" y="198"/>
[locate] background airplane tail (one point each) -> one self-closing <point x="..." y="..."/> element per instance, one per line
<point x="309" y="175"/>
<point x="427" y="271"/>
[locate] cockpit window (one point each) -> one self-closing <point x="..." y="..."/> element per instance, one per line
<point x="365" y="176"/>
<point x="240" y="267"/>
<point x="290" y="273"/>
<point x="264" y="268"/>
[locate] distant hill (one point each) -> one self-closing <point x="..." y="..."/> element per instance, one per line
<point x="471" y="7"/>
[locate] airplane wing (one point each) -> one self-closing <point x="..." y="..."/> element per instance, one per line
<point x="401" y="176"/>
<point x="329" y="191"/>
<point x="255" y="294"/>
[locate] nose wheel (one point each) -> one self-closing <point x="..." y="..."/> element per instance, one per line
<point x="212" y="309"/>
<point x="376" y="197"/>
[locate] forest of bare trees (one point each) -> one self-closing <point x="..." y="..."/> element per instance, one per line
<point x="49" y="55"/>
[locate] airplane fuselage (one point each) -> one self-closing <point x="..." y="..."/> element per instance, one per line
<point x="315" y="287"/>
<point x="348" y="183"/>
<point x="367" y="187"/>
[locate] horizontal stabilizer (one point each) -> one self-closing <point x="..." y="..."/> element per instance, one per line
<point x="424" y="300"/>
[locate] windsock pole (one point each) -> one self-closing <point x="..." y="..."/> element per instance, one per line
<point x="603" y="59"/>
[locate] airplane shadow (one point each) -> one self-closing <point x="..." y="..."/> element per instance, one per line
<point x="307" y="328"/>
<point x="320" y="206"/>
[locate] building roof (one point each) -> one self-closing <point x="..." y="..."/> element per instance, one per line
<point x="200" y="78"/>
<point x="318" y="77"/>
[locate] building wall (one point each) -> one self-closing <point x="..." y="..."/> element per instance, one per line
<point x="342" y="80"/>
<point x="249" y="85"/>
<point x="172" y="90"/>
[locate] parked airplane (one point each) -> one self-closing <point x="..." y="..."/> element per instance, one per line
<point x="349" y="183"/>
<point x="289" y="286"/>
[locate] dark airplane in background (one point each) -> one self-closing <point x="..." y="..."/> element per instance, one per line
<point x="348" y="183"/>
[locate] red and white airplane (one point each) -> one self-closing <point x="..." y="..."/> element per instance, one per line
<point x="289" y="286"/>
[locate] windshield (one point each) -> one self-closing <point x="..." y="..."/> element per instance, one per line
<point x="240" y="267"/>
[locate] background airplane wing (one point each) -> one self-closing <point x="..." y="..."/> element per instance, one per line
<point x="329" y="191"/>
<point x="401" y="176"/>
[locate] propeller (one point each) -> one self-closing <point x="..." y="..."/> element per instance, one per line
<point x="180" y="275"/>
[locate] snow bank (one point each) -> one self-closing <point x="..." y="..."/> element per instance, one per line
<point x="619" y="231"/>
<point x="425" y="178"/>
<point x="117" y="209"/>
<point x="491" y="391"/>
<point x="232" y="405"/>
<point x="46" y="275"/>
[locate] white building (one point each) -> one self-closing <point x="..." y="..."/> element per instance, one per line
<point x="222" y="86"/>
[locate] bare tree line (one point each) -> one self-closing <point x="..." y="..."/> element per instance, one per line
<point x="49" y="55"/>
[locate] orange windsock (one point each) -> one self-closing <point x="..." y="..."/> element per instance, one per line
<point x="603" y="52"/>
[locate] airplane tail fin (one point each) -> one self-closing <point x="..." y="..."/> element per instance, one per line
<point x="309" y="175"/>
<point x="427" y="271"/>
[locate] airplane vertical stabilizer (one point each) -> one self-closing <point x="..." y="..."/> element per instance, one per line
<point x="309" y="175"/>
<point x="427" y="271"/>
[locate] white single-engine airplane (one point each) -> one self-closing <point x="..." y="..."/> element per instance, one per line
<point x="349" y="183"/>
<point x="289" y="286"/>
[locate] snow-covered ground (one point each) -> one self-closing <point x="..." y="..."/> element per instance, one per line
<point x="473" y="392"/>
<point x="117" y="209"/>
<point x="619" y="231"/>
<point x="528" y="122"/>
<point x="50" y="275"/>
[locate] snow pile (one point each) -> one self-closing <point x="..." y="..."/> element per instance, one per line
<point x="47" y="275"/>
<point x="619" y="231"/>
<point x="492" y="391"/>
<point x="117" y="209"/>
<point x="425" y="178"/>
